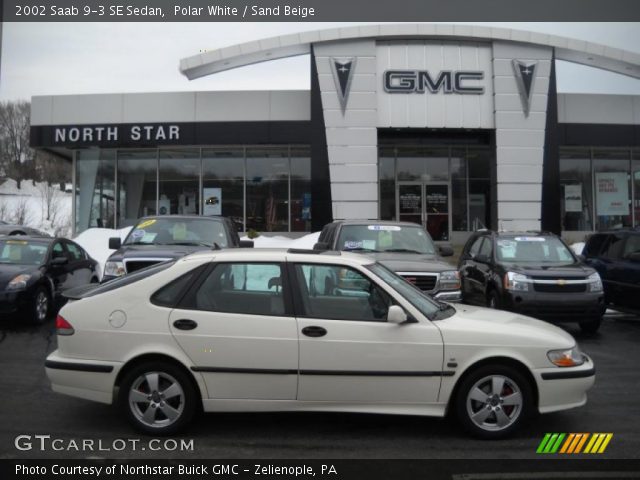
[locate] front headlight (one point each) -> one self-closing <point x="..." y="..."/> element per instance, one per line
<point x="571" y="357"/>
<point x="595" y="282"/>
<point x="19" y="282"/>
<point x="516" y="282"/>
<point x="450" y="280"/>
<point x="114" y="269"/>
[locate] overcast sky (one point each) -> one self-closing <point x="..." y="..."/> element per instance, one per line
<point x="76" y="58"/>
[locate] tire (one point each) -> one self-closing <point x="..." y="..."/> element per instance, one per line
<point x="480" y="401"/>
<point x="41" y="306"/>
<point x="493" y="300"/>
<point x="590" y="326"/>
<point x="148" y="407"/>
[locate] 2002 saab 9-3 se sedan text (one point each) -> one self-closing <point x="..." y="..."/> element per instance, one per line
<point x="274" y="330"/>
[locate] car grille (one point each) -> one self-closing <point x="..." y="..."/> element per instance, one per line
<point x="133" y="265"/>
<point x="559" y="288"/>
<point x="426" y="283"/>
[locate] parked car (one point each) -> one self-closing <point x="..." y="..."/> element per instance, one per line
<point x="35" y="271"/>
<point x="11" y="229"/>
<point x="404" y="247"/>
<point x="233" y="330"/>
<point x="533" y="273"/>
<point x="158" y="239"/>
<point x="616" y="257"/>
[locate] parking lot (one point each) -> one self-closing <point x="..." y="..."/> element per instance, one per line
<point x="29" y="407"/>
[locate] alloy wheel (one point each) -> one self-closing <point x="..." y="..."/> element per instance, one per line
<point x="494" y="403"/>
<point x="156" y="399"/>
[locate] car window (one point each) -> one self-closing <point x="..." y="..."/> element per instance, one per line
<point x="247" y="288"/>
<point x="486" y="248"/>
<point x="594" y="245"/>
<point x="170" y="294"/>
<point x="337" y="292"/>
<point x="22" y="252"/>
<point x="385" y="238"/>
<point x="57" y="250"/>
<point x="178" y="231"/>
<point x="475" y="247"/>
<point x="632" y="246"/>
<point x="75" y="252"/>
<point x="613" y="247"/>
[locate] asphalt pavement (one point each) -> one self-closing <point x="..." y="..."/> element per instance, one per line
<point x="29" y="409"/>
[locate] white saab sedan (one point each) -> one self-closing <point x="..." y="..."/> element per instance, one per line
<point x="275" y="330"/>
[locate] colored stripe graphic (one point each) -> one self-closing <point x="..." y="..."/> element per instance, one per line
<point x="573" y="443"/>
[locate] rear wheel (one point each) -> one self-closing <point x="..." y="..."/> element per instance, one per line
<point x="591" y="325"/>
<point x="493" y="401"/>
<point x="158" y="398"/>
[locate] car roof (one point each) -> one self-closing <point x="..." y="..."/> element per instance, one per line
<point x="182" y="217"/>
<point x="517" y="233"/>
<point x="376" y="222"/>
<point x="282" y="254"/>
<point x="29" y="238"/>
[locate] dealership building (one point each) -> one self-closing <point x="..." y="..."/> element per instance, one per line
<point x="454" y="127"/>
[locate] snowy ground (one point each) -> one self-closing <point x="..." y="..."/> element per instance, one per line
<point x="31" y="199"/>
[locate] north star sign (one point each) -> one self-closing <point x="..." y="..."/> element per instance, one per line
<point x="115" y="133"/>
<point x="421" y="81"/>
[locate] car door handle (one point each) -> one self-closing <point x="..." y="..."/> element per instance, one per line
<point x="314" y="331"/>
<point x="185" y="324"/>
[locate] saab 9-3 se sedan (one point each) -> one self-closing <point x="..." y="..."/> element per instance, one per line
<point x="277" y="330"/>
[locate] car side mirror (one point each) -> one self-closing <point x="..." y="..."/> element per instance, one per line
<point x="481" y="258"/>
<point x="445" y="250"/>
<point x="246" y="244"/>
<point x="396" y="315"/>
<point x="321" y="246"/>
<point x="59" y="261"/>
<point x="634" y="257"/>
<point x="115" y="243"/>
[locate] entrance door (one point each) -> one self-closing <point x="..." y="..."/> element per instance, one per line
<point x="426" y="204"/>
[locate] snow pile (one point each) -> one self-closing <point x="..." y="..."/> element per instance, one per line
<point x="29" y="202"/>
<point x="96" y="242"/>
<point x="577" y="247"/>
<point x="307" y="241"/>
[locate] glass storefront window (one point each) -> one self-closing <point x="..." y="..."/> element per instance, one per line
<point x="223" y="183"/>
<point x="300" y="189"/>
<point x="179" y="182"/>
<point x="137" y="185"/>
<point x="612" y="188"/>
<point x="267" y="189"/>
<point x="387" y="175"/>
<point x="95" y="189"/>
<point x="479" y="166"/>
<point x="459" y="189"/>
<point x="635" y="175"/>
<point x="575" y="182"/>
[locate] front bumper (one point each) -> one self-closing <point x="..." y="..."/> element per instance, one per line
<point x="88" y="379"/>
<point x="556" y="306"/>
<point x="14" y="302"/>
<point x="564" y="388"/>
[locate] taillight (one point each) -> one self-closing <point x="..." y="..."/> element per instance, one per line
<point x="63" y="327"/>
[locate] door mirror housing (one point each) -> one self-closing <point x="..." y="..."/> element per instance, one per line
<point x="115" y="243"/>
<point x="246" y="244"/>
<point x="445" y="250"/>
<point x="59" y="261"/>
<point x="396" y="315"/>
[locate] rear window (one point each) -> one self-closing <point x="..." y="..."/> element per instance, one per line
<point x="171" y="294"/>
<point x="90" y="291"/>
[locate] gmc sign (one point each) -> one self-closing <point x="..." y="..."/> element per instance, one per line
<point x="419" y="81"/>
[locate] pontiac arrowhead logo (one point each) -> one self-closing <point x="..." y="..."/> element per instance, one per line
<point x="525" y="75"/>
<point x="342" y="76"/>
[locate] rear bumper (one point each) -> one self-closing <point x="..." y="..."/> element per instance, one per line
<point x="564" y="388"/>
<point x="88" y="379"/>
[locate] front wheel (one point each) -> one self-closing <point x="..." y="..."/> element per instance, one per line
<point x="41" y="307"/>
<point x="493" y="401"/>
<point x="157" y="398"/>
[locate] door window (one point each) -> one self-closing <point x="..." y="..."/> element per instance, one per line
<point x="613" y="248"/>
<point x="340" y="293"/>
<point x="486" y="248"/>
<point x="475" y="247"/>
<point x="632" y="246"/>
<point x="248" y="288"/>
<point x="75" y="253"/>
<point x="57" y="250"/>
<point x="594" y="245"/>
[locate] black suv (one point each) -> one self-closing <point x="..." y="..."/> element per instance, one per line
<point x="616" y="257"/>
<point x="157" y="239"/>
<point x="404" y="247"/>
<point x="533" y="273"/>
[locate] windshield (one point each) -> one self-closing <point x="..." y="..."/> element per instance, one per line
<point x="533" y="249"/>
<point x="385" y="238"/>
<point x="178" y="231"/>
<point x="428" y="307"/>
<point x="22" y="252"/>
